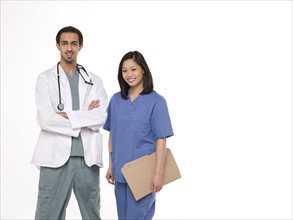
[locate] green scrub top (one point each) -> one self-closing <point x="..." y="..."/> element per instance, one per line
<point x="77" y="145"/>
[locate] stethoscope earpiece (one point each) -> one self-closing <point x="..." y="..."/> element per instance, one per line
<point x="60" y="106"/>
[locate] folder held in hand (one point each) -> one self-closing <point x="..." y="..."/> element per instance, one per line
<point x="139" y="173"/>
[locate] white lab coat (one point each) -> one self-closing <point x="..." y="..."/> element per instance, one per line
<point x="54" y="142"/>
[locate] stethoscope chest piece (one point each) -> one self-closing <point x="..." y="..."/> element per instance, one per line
<point x="60" y="107"/>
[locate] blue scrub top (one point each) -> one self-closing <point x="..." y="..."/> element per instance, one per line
<point x="135" y="126"/>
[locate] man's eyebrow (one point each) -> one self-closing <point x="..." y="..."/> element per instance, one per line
<point x="65" y="41"/>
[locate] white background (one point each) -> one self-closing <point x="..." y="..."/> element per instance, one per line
<point x="225" y="69"/>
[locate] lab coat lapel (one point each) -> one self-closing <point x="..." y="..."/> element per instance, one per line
<point x="83" y="90"/>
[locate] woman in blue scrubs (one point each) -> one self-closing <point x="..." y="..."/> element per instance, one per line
<point x="139" y="123"/>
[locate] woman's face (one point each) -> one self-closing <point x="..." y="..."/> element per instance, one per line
<point x="132" y="73"/>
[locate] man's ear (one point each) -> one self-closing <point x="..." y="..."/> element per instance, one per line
<point x="58" y="46"/>
<point x="80" y="47"/>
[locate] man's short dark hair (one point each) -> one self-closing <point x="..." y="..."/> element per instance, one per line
<point x="70" y="29"/>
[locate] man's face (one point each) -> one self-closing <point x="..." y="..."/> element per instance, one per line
<point x="69" y="47"/>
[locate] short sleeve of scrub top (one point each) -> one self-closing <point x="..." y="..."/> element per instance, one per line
<point x="160" y="120"/>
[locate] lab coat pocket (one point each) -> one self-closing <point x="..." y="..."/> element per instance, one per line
<point x="97" y="150"/>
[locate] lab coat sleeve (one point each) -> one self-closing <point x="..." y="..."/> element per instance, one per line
<point x="93" y="119"/>
<point x="47" y="118"/>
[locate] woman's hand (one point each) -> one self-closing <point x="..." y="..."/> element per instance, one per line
<point x="158" y="178"/>
<point x="158" y="182"/>
<point x="110" y="177"/>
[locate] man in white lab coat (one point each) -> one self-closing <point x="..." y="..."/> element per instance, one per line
<point x="72" y="107"/>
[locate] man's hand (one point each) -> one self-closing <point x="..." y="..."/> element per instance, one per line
<point x="94" y="104"/>
<point x="63" y="114"/>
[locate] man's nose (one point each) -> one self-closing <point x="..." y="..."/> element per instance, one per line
<point x="69" y="48"/>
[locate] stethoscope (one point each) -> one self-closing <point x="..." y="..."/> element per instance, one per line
<point x="79" y="67"/>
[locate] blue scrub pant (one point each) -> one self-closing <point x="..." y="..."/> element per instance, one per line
<point x="56" y="184"/>
<point x="130" y="209"/>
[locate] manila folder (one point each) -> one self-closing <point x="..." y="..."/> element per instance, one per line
<point x="139" y="173"/>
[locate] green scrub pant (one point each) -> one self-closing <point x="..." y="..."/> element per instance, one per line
<point x="56" y="184"/>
